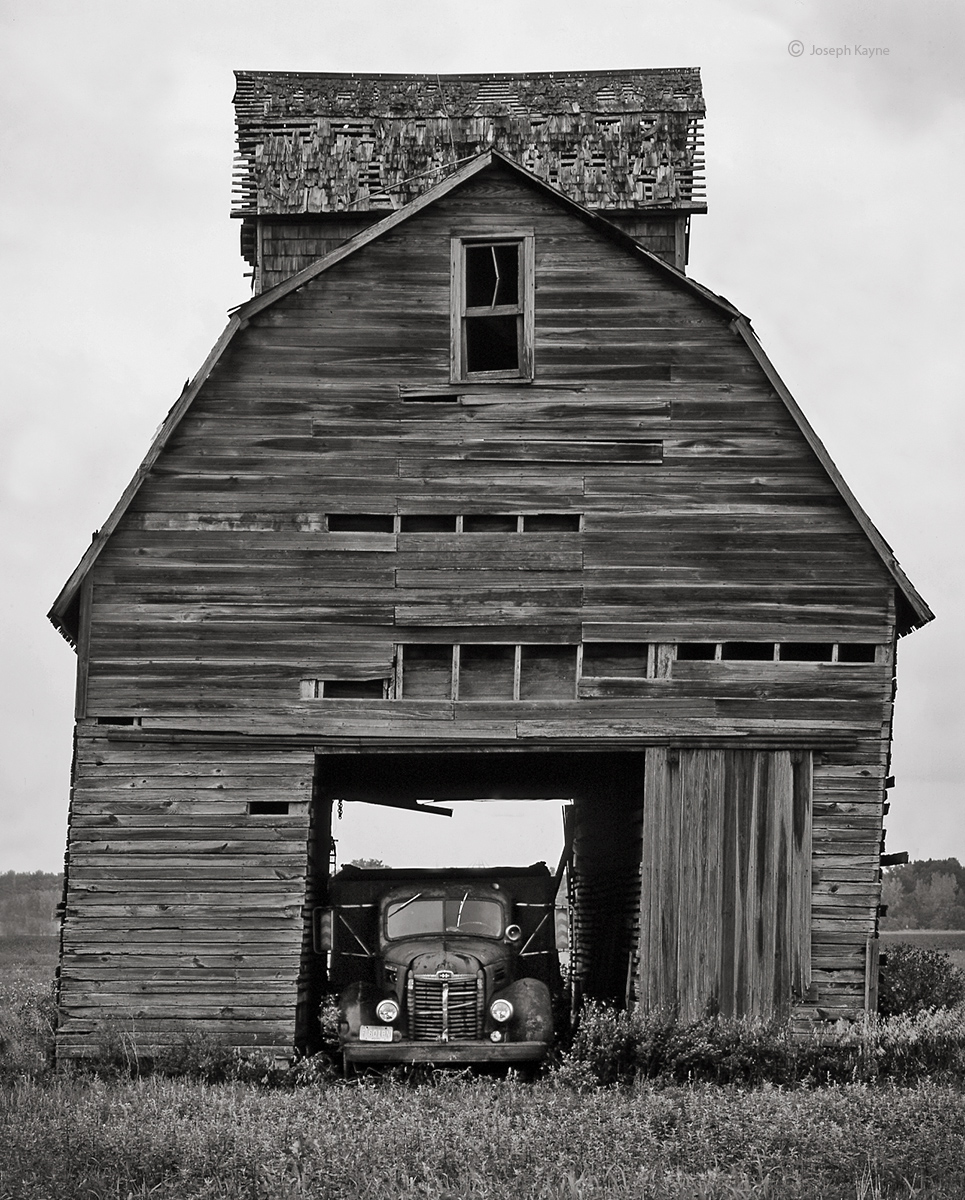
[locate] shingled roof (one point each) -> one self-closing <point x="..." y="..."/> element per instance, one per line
<point x="331" y="143"/>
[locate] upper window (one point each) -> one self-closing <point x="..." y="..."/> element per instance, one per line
<point x="492" y="307"/>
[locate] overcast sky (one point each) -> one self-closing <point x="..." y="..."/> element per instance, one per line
<point x="835" y="186"/>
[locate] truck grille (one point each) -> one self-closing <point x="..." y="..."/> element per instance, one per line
<point x="443" y="1010"/>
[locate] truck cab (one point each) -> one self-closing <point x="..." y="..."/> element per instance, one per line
<point x="451" y="966"/>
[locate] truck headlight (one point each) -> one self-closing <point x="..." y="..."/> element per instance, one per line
<point x="387" y="1011"/>
<point x="501" y="1011"/>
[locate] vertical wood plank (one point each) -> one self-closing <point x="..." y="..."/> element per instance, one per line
<point x="83" y="650"/>
<point x="728" y="888"/>
<point x="781" y="803"/>
<point x="801" y="872"/>
<point x="456" y="302"/>
<point x="699" y="883"/>
<point x="872" y="946"/>
<point x="529" y="306"/>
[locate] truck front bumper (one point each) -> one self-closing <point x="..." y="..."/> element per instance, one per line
<point x="443" y="1053"/>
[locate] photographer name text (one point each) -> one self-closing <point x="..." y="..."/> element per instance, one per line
<point x="856" y="51"/>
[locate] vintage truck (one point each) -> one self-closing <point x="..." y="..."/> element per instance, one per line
<point x="442" y="966"/>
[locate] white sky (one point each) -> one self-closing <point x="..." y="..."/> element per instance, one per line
<point x="834" y="188"/>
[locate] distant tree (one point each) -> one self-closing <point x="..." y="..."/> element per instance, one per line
<point x="370" y="863"/>
<point x="16" y="883"/>
<point x="928" y="894"/>
<point x="28" y="903"/>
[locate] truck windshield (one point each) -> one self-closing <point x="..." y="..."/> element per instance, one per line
<point x="467" y="914"/>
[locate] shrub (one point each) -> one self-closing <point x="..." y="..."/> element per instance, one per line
<point x="620" y="1046"/>
<point x="914" y="979"/>
<point x="929" y="1044"/>
<point x="613" y="1046"/>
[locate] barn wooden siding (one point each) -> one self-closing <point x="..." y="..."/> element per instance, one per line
<point x="183" y="906"/>
<point x="281" y="247"/>
<point x="702" y="516"/>
<point x="726" y="891"/>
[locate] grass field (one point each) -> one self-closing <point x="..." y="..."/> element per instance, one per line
<point x="37" y="956"/>
<point x="461" y="1137"/>
<point x="948" y="941"/>
<point x="73" y="1136"/>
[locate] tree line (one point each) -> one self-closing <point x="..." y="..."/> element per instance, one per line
<point x="28" y="903"/>
<point x="927" y="894"/>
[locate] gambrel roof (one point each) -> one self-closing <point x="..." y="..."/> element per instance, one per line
<point x="912" y="610"/>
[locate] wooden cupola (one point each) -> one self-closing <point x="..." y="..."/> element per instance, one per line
<point x="321" y="156"/>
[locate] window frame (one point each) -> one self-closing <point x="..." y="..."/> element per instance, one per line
<point x="523" y="310"/>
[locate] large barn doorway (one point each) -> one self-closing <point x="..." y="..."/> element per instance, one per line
<point x="603" y="840"/>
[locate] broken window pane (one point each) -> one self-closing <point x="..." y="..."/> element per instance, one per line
<point x="492" y="275"/>
<point x="353" y="689"/>
<point x="360" y="522"/>
<point x="856" y="652"/>
<point x="427" y="523"/>
<point x="696" y="651"/>
<point x="748" y="651"/>
<point x="551" y="523"/>
<point x="268" y="808"/>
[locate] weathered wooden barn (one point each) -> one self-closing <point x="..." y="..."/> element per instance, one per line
<point x="479" y="494"/>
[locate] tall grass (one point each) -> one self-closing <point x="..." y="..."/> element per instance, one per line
<point x="461" y="1137"/>
<point x="28" y="1018"/>
<point x="595" y="1127"/>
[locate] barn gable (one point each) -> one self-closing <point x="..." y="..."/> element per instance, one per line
<point x="64" y="613"/>
<point x="381" y="546"/>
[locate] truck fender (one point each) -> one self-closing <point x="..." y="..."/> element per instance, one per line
<point x="356" y="1007"/>
<point x="532" y="1019"/>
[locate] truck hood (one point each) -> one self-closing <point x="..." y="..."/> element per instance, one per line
<point x="460" y="955"/>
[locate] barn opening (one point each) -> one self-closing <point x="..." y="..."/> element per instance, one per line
<point x="689" y="868"/>
<point x="603" y="838"/>
<point x="481" y="832"/>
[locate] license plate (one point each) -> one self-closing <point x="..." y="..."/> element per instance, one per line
<point x="375" y="1033"/>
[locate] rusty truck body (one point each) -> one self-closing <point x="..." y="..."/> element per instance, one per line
<point x="442" y="966"/>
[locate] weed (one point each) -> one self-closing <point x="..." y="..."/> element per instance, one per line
<point x="28" y="1017"/>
